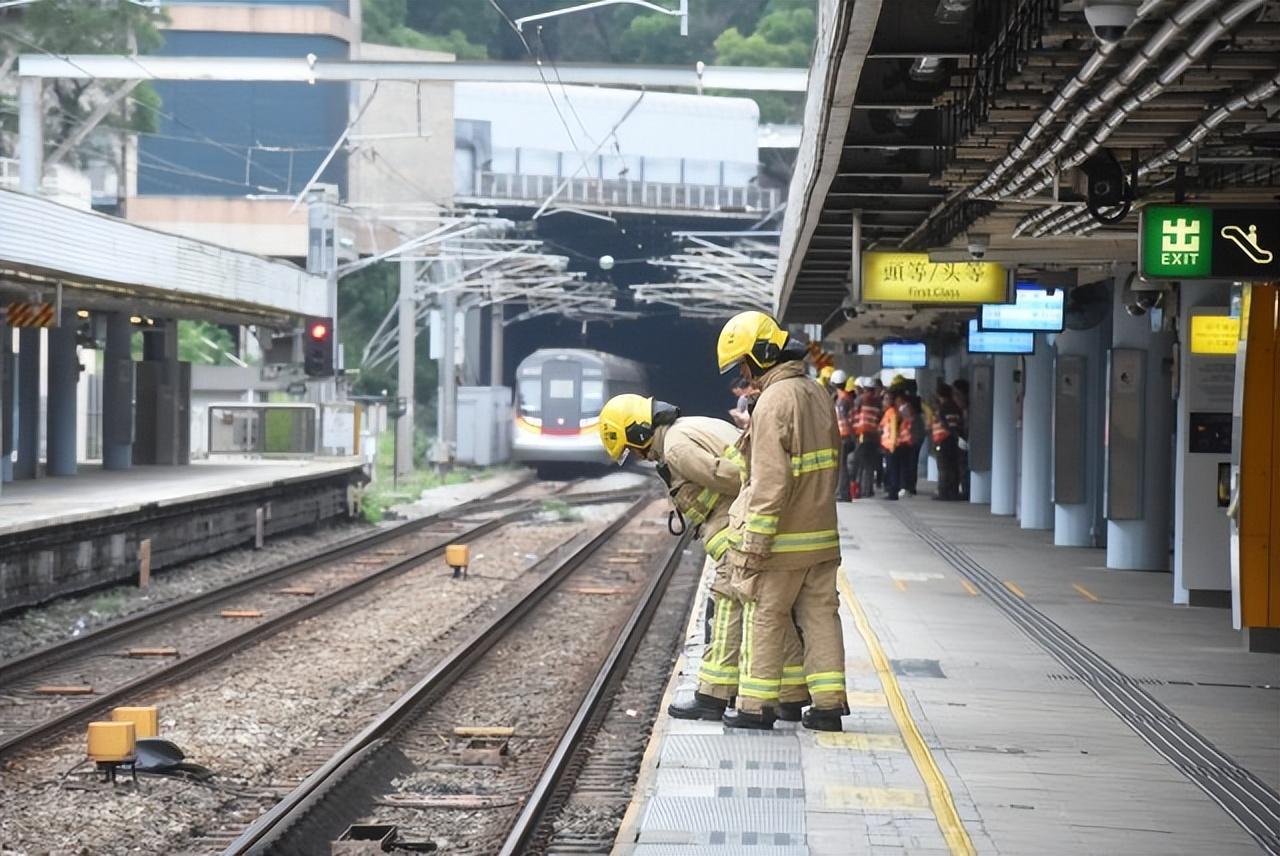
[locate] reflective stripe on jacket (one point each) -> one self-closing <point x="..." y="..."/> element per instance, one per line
<point x="785" y="516"/>
<point x="868" y="421"/>
<point x="705" y="473"/>
<point x="845" y="414"/>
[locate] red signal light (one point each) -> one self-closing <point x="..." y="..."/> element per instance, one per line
<point x="319" y="331"/>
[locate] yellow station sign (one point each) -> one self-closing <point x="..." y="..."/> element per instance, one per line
<point x="912" y="278"/>
<point x="1214" y="334"/>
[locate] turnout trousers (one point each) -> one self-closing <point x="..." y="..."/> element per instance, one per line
<point x="769" y="600"/>
<point x="719" y="673"/>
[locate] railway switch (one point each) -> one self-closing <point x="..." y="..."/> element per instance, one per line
<point x="146" y="720"/>
<point x="458" y="557"/>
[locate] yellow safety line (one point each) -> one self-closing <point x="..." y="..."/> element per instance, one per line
<point x="944" y="807"/>
<point x="969" y="587"/>
<point x="1013" y="587"/>
<point x="1085" y="592"/>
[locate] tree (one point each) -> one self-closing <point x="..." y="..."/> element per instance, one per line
<point x="448" y="29"/>
<point x="70" y="27"/>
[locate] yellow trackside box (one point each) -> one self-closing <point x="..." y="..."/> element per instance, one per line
<point x="457" y="555"/>
<point x="146" y="720"/>
<point x="110" y="741"/>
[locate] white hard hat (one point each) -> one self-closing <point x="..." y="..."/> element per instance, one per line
<point x="838" y="377"/>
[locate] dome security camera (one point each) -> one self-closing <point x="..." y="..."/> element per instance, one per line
<point x="606" y="262"/>
<point x="977" y="245"/>
<point x="1110" y="19"/>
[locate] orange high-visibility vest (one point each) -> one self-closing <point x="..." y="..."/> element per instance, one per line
<point x="868" y="420"/>
<point x="889" y="429"/>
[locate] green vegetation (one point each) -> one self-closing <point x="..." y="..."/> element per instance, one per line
<point x="382" y="494"/>
<point x="77" y="27"/>
<point x="561" y="510"/>
<point x="109" y="603"/>
<point x="725" y="32"/>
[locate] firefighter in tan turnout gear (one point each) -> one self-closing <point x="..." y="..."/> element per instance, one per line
<point x="784" y="543"/>
<point x="698" y="459"/>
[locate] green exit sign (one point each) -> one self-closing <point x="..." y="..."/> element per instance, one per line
<point x="1176" y="241"/>
<point x="1209" y="242"/>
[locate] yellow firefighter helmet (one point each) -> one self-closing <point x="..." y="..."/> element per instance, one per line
<point x="752" y="336"/>
<point x="628" y="422"/>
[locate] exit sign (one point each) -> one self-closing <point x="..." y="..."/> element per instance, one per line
<point x="1203" y="242"/>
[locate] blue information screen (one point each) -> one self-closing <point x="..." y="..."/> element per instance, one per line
<point x="903" y="355"/>
<point x="989" y="342"/>
<point x="1033" y="309"/>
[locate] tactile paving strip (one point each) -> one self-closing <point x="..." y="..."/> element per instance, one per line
<point x="731" y="752"/>
<point x="693" y="782"/>
<point x="704" y="848"/>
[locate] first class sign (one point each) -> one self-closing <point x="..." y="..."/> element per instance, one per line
<point x="912" y="278"/>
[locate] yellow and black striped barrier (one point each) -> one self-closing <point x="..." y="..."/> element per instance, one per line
<point x="29" y="315"/>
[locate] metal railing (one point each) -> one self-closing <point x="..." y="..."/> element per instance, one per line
<point x="621" y="193"/>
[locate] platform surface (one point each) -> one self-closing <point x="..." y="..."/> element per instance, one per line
<point x="994" y="746"/>
<point x="95" y="492"/>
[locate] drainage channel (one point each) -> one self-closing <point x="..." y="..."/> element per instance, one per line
<point x="1248" y="800"/>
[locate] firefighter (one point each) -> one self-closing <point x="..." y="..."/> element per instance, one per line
<point x="784" y="543"/>
<point x="698" y="459"/>
<point x="845" y="418"/>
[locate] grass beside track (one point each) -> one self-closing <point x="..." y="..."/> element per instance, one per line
<point x="384" y="492"/>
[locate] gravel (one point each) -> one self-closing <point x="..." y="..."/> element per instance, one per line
<point x="255" y="715"/>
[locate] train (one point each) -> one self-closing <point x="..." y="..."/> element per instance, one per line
<point x="559" y="394"/>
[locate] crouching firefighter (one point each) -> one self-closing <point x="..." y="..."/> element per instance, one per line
<point x="784" y="546"/>
<point x="697" y="458"/>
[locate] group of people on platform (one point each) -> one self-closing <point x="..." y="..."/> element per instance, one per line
<point x="760" y="492"/>
<point x="886" y="431"/>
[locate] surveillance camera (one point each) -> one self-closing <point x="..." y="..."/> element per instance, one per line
<point x="977" y="245"/>
<point x="849" y="312"/>
<point x="1110" y="19"/>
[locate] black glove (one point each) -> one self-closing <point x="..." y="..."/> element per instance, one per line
<point x="664" y="472"/>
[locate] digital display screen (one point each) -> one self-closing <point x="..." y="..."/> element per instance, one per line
<point x="1033" y="309"/>
<point x="903" y="355"/>
<point x="989" y="342"/>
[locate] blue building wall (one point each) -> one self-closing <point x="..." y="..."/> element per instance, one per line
<point x="214" y="138"/>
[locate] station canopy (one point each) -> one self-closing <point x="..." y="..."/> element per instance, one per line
<point x="931" y="124"/>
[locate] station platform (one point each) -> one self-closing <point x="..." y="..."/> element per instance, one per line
<point x="60" y="535"/>
<point x="1006" y="696"/>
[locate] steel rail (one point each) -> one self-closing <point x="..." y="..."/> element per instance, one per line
<point x="581" y="727"/>
<point x="219" y="650"/>
<point x="259" y="632"/>
<point x="273" y="828"/>
<point x="42" y="658"/>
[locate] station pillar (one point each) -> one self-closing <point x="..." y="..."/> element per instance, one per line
<point x="28" y="439"/>
<point x="7" y="404"/>
<point x="1140" y="422"/>
<point x="1035" y="503"/>
<point x="1004" y="437"/>
<point x="447" y="444"/>
<point x="406" y="364"/>
<point x="60" y="407"/>
<point x="1078" y="413"/>
<point x="117" y="393"/>
<point x="980" y="413"/>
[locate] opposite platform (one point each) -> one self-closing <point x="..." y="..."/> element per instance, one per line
<point x="64" y="535"/>
<point x="1003" y="694"/>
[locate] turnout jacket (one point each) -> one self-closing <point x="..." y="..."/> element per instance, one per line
<point x="705" y="475"/>
<point x="785" y="516"/>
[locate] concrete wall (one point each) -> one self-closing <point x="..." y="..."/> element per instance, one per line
<point x="38" y="565"/>
<point x="416" y="168"/>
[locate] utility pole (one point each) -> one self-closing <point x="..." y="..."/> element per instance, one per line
<point x="447" y="442"/>
<point x="407" y="308"/>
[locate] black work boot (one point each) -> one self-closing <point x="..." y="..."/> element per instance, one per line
<point x="790" y="711"/>
<point x="699" y="707"/>
<point x="816" y="719"/>
<point x="745" y="719"/>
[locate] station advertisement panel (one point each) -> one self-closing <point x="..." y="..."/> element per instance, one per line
<point x="1209" y="242"/>
<point x="912" y="278"/>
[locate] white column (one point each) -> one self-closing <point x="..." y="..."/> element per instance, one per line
<point x="30" y="134"/>
<point x="1004" y="437"/>
<point x="496" y="334"/>
<point x="448" y="441"/>
<point x="1036" y="504"/>
<point x="407" y="310"/>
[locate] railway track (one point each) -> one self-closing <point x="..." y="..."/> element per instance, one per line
<point x="158" y="647"/>
<point x="415" y="766"/>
